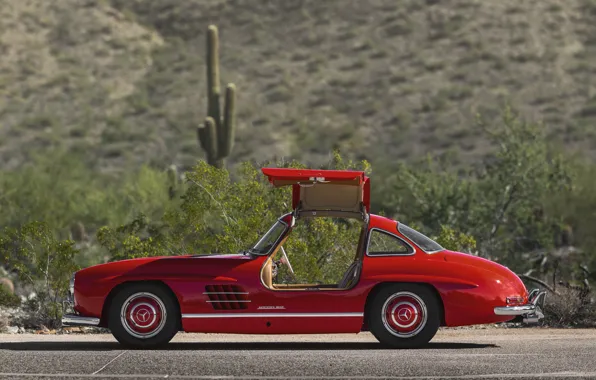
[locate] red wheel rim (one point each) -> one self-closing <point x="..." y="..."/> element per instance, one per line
<point x="143" y="315"/>
<point x="404" y="314"/>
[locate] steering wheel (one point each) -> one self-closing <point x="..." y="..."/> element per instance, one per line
<point x="287" y="260"/>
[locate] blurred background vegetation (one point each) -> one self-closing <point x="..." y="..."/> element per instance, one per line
<point x="475" y="120"/>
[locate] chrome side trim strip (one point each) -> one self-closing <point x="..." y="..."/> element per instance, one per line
<point x="77" y="320"/>
<point x="225" y="292"/>
<point x="272" y="315"/>
<point x="231" y="301"/>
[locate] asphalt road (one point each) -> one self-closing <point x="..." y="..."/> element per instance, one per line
<point x="491" y="353"/>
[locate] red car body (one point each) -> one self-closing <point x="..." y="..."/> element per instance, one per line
<point x="227" y="294"/>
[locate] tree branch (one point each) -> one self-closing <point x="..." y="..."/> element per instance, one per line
<point x="534" y="279"/>
<point x="509" y="192"/>
<point x="223" y="211"/>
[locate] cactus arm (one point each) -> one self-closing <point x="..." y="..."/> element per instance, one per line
<point x="213" y="91"/>
<point x="210" y="133"/>
<point x="212" y="59"/>
<point x="173" y="181"/>
<point x="203" y="136"/>
<point x="229" y="122"/>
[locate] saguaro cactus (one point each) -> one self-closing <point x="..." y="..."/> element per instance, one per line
<point x="216" y="135"/>
<point x="172" y="181"/>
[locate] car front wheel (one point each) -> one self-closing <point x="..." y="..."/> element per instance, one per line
<point x="143" y="316"/>
<point x="404" y="315"/>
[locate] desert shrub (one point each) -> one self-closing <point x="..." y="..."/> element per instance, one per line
<point x="7" y="298"/>
<point x="454" y="240"/>
<point x="321" y="249"/>
<point x="500" y="203"/>
<point x="515" y="202"/>
<point x="74" y="198"/>
<point x="576" y="208"/>
<point x="228" y="212"/>
<point x="217" y="214"/>
<point x="43" y="262"/>
<point x="61" y="189"/>
<point x="3" y="323"/>
<point x="570" y="307"/>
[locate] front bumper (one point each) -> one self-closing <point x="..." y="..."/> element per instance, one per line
<point x="530" y="312"/>
<point x="69" y="316"/>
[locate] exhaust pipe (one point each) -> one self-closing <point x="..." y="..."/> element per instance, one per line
<point x="531" y="319"/>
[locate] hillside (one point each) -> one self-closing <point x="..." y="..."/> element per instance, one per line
<point x="123" y="81"/>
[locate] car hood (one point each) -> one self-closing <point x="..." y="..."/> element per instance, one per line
<point x="163" y="267"/>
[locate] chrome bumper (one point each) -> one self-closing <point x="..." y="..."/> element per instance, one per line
<point x="531" y="312"/>
<point x="70" y="320"/>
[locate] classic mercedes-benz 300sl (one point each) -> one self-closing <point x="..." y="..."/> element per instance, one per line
<point x="401" y="286"/>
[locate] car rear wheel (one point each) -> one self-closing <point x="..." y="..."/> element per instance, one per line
<point x="404" y="315"/>
<point x="143" y="316"/>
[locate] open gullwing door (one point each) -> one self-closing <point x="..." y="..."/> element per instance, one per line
<point x="337" y="193"/>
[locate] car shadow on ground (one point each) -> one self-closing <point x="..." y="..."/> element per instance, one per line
<point x="233" y="346"/>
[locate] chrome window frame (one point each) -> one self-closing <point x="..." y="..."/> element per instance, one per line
<point x="412" y="247"/>
<point x="283" y="234"/>
<point x="422" y="249"/>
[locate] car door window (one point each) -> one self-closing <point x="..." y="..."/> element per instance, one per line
<point x="382" y="243"/>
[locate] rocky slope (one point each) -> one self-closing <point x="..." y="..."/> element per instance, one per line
<point x="123" y="81"/>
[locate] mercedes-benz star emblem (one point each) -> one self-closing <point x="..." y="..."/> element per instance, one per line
<point x="404" y="314"/>
<point x="143" y="315"/>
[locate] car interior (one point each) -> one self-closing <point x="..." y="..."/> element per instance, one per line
<point x="349" y="279"/>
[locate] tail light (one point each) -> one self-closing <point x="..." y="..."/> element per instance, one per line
<point x="514" y="300"/>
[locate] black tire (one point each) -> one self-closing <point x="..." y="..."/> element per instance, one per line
<point x="144" y="315"/>
<point x="404" y="315"/>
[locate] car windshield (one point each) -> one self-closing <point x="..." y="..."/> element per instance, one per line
<point x="267" y="242"/>
<point x="425" y="243"/>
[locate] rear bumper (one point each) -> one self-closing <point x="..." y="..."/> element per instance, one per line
<point x="530" y="312"/>
<point x="515" y="310"/>
<point x="70" y="320"/>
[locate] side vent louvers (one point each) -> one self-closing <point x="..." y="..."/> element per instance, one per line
<point x="227" y="297"/>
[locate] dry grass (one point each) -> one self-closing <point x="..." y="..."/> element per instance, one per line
<point x="123" y="80"/>
<point x="3" y="323"/>
<point x="7" y="285"/>
<point x="571" y="308"/>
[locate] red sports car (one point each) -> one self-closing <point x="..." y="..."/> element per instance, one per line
<point x="401" y="285"/>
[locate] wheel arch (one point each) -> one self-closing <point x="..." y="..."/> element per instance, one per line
<point x="375" y="289"/>
<point x="108" y="301"/>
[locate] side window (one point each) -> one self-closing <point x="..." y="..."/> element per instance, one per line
<point x="382" y="243"/>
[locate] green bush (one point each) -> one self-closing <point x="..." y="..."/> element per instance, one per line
<point x="576" y="210"/>
<point x="226" y="215"/>
<point x="453" y="240"/>
<point x="501" y="203"/>
<point x="60" y="189"/>
<point x="525" y="205"/>
<point x="7" y="298"/>
<point x="42" y="262"/>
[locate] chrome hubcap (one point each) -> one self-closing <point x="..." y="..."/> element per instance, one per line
<point x="143" y="315"/>
<point x="404" y="314"/>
